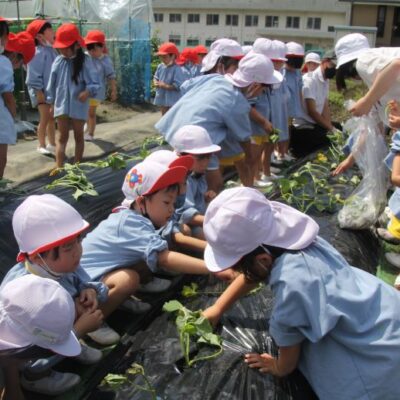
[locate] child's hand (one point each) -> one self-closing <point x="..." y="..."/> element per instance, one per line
<point x="40" y="97"/>
<point x="83" y="96"/>
<point x="88" y="322"/>
<point x="264" y="362"/>
<point x="209" y="195"/>
<point x="342" y="167"/>
<point x="268" y="126"/>
<point x="113" y="95"/>
<point x="88" y="298"/>
<point x="393" y="107"/>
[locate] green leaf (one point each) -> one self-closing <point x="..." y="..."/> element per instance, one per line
<point x="190" y="291"/>
<point x="172" y="306"/>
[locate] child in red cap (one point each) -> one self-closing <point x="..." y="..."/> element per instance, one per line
<point x="73" y="79"/>
<point x="37" y="78"/>
<point x="95" y="42"/>
<point x="167" y="78"/>
<point x="189" y="63"/>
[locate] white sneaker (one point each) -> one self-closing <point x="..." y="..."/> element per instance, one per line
<point x="231" y="184"/>
<point x="274" y="170"/>
<point x="393" y="259"/>
<point x="270" y="178"/>
<point x="53" y="384"/>
<point x="156" y="285"/>
<point x="288" y="157"/>
<point x="51" y="148"/>
<point x="135" y="306"/>
<point x="276" y="160"/>
<point x="258" y="183"/>
<point x="104" y="335"/>
<point x="88" y="137"/>
<point x="43" y="150"/>
<point x="89" y="355"/>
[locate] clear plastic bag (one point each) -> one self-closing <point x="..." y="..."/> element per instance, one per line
<point x="363" y="207"/>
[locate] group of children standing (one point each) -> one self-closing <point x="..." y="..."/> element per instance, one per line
<point x="64" y="83"/>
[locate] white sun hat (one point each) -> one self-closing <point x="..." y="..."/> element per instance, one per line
<point x="239" y="220"/>
<point x="254" y="68"/>
<point x="193" y="139"/>
<point x="294" y="49"/>
<point x="171" y="159"/>
<point x="264" y="46"/>
<point x="149" y="177"/>
<point x="312" y="57"/>
<point x="280" y="50"/>
<point x="221" y="48"/>
<point x="246" y="49"/>
<point x="37" y="311"/>
<point x="42" y="222"/>
<point x="349" y="47"/>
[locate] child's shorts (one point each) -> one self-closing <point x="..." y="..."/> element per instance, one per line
<point x="259" y="140"/>
<point x="229" y="161"/>
<point x="94" y="102"/>
<point x="231" y="152"/>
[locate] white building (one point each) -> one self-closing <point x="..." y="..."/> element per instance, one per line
<point x="192" y="22"/>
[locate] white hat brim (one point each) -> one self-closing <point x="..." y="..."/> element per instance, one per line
<point x="214" y="148"/>
<point x="345" y="58"/>
<point x="69" y="348"/>
<point x="238" y="80"/>
<point x="216" y="262"/>
<point x="209" y="61"/>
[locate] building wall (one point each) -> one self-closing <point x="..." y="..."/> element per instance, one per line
<point x="330" y="12"/>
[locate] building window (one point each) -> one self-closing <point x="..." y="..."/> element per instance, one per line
<point x="175" y="17"/>
<point x="212" y="19"/>
<point x="313" y="23"/>
<point x="175" y="39"/>
<point x="331" y="28"/>
<point x="380" y="21"/>
<point x="193" y="18"/>
<point x="192" y="42"/>
<point x="158" y="17"/>
<point x="232" y="20"/>
<point x="271" y="21"/>
<point x="293" y="22"/>
<point x="251" y="20"/>
<point x="209" y="42"/>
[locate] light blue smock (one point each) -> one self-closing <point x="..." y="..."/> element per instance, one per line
<point x="172" y="75"/>
<point x="394" y="201"/>
<point x="63" y="92"/>
<point x="189" y="71"/>
<point x="106" y="71"/>
<point x="195" y="82"/>
<point x="8" y="134"/>
<point x="72" y="282"/>
<point x="279" y="98"/>
<point x="121" y="241"/>
<point x="346" y="320"/>
<point x="262" y="105"/>
<point x="216" y="105"/>
<point x="294" y="83"/>
<point x="38" y="72"/>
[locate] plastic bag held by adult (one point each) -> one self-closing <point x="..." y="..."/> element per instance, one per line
<point x="363" y="207"/>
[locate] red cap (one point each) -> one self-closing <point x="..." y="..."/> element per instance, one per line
<point x="3" y="19"/>
<point x="35" y="26"/>
<point x="168" y="48"/>
<point x="188" y="54"/>
<point x="200" y="49"/>
<point x="186" y="161"/>
<point x="66" y="36"/>
<point x="21" y="43"/>
<point x="95" y="37"/>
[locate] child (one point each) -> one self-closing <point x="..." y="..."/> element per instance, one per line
<point x="340" y="325"/>
<point x="311" y="62"/>
<point x="37" y="79"/>
<point x="201" y="52"/>
<point x="125" y="249"/>
<point x="189" y="63"/>
<point x="8" y="109"/>
<point x="73" y="79"/>
<point x="167" y="78"/>
<point x="48" y="232"/>
<point x="95" y="42"/>
<point x="34" y="312"/>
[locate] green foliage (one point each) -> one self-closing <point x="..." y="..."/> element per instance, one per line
<point x="148" y="143"/>
<point x="274" y="135"/>
<point x="115" y="381"/>
<point x="193" y="290"/>
<point x="193" y="326"/>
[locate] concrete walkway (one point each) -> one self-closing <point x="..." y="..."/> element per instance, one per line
<point x="25" y="163"/>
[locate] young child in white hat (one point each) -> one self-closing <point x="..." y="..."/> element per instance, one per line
<point x="125" y="249"/>
<point x="311" y="62"/>
<point x="338" y="324"/>
<point x="34" y="311"/>
<point x="48" y="232"/>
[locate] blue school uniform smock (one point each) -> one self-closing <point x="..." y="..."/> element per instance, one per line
<point x="63" y="92"/>
<point x="38" y="72"/>
<point x="189" y="71"/>
<point x="172" y="75"/>
<point x="294" y="82"/>
<point x="279" y="97"/>
<point x="262" y="105"/>
<point x="8" y="134"/>
<point x="72" y="282"/>
<point x="195" y="82"/>
<point x="106" y="71"/>
<point x="346" y="320"/>
<point x="216" y="105"/>
<point x="122" y="240"/>
<point x="394" y="201"/>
